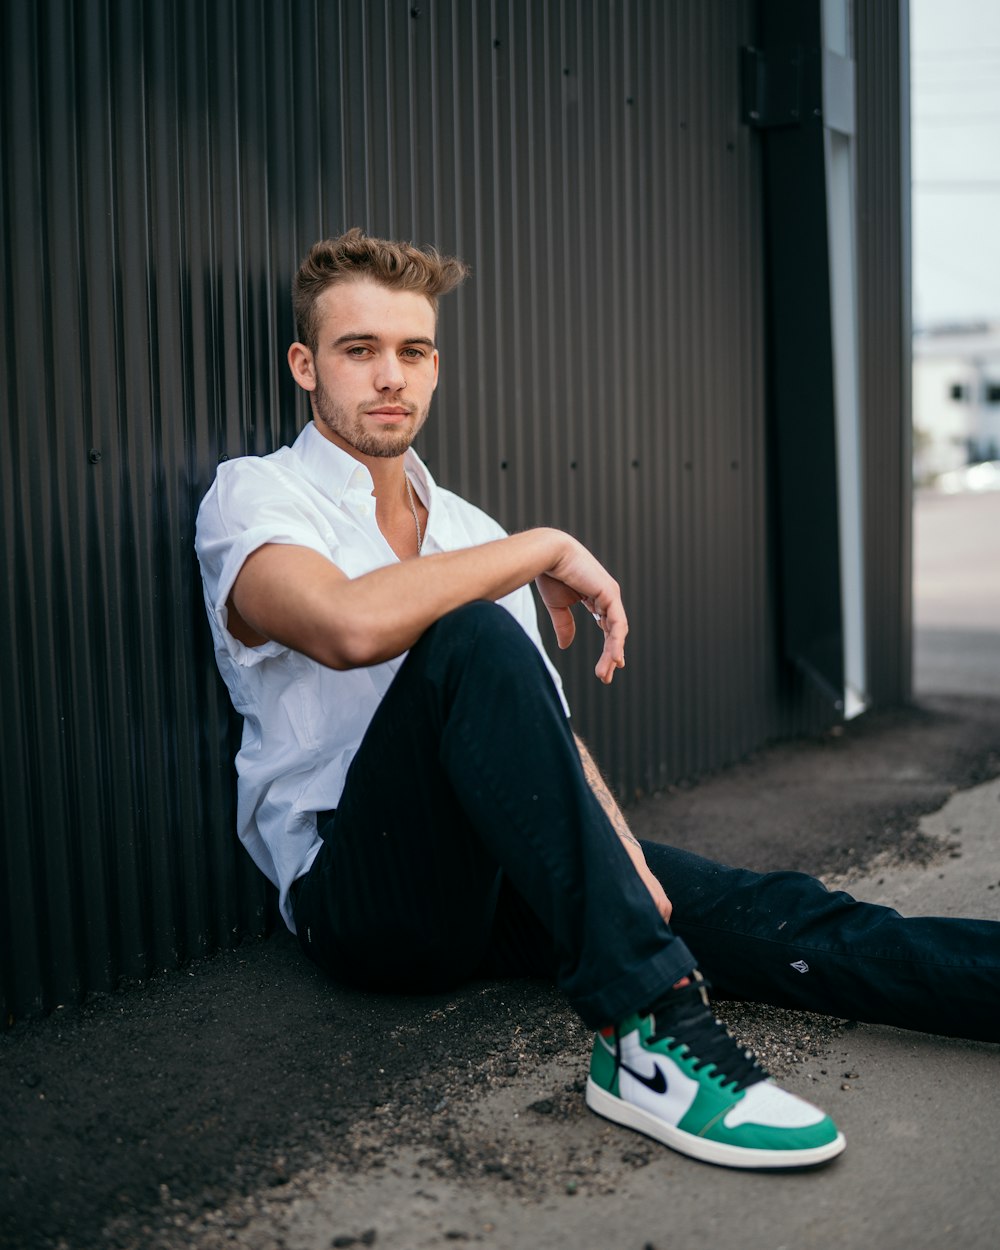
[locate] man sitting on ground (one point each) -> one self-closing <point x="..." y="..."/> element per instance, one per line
<point x="409" y="780"/>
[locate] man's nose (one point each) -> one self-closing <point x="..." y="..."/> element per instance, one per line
<point x="389" y="375"/>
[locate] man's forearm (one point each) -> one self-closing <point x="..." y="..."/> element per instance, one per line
<point x="391" y="607"/>
<point x="628" y="839"/>
<point x="298" y="597"/>
<point x="604" y="796"/>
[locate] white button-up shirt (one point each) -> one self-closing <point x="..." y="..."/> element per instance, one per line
<point x="303" y="722"/>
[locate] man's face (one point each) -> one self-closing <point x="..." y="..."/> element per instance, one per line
<point x="374" y="369"/>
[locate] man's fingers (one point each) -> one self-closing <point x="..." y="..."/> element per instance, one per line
<point x="607" y="666"/>
<point x="613" y="655"/>
<point x="563" y="624"/>
<point x="580" y="579"/>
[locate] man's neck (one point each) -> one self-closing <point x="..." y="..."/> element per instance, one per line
<point x="399" y="514"/>
<point x="393" y="510"/>
<point x="388" y="476"/>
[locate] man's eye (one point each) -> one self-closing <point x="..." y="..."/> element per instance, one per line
<point x="357" y="351"/>
<point x="413" y="353"/>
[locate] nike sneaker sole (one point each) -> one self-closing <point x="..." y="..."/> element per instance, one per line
<point x="708" y="1151"/>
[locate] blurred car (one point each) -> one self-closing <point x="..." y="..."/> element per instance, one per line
<point x="982" y="476"/>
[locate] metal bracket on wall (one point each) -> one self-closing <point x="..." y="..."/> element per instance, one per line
<point x="771" y="87"/>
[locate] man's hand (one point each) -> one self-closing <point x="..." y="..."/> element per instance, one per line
<point x="577" y="577"/>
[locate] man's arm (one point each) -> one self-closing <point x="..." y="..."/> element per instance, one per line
<point x="297" y="597"/>
<point x="620" y="825"/>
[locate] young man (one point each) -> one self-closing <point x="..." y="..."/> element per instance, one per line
<point x="409" y="780"/>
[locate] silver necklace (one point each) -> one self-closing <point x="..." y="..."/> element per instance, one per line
<point x="413" y="509"/>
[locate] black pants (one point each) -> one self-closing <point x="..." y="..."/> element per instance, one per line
<point x="467" y="842"/>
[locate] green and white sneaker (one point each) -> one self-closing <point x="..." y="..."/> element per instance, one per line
<point x="675" y="1073"/>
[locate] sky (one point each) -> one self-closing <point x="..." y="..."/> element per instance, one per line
<point x="955" y="98"/>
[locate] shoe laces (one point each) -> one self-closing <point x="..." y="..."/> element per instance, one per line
<point x="686" y="1022"/>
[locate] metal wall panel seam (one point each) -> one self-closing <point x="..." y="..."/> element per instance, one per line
<point x="55" y="861"/>
<point x="503" y="424"/>
<point x="22" y="958"/>
<point x="635" y="106"/>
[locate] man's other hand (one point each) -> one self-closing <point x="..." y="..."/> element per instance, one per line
<point x="577" y="577"/>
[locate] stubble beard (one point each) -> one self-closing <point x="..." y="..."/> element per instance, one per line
<point x="385" y="443"/>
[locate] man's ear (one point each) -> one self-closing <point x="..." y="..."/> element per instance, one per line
<point x="302" y="365"/>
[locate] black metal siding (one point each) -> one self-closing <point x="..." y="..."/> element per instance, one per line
<point x="165" y="166"/>
<point x="883" y="172"/>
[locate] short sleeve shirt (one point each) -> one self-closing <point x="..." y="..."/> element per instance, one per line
<point x="303" y="722"/>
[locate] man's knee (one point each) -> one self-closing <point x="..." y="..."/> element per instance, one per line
<point x="480" y="616"/>
<point x="482" y="648"/>
<point x="480" y="629"/>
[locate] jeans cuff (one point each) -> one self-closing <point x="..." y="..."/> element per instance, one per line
<point x="636" y="988"/>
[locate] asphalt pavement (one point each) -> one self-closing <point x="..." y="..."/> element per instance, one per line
<point x="244" y="1101"/>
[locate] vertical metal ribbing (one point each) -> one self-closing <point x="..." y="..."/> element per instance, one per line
<point x="883" y="232"/>
<point x="166" y="166"/>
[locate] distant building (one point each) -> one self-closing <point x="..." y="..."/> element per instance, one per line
<point x="956" y="398"/>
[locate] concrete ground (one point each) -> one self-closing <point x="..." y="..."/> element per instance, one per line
<point x="957" y="593"/>
<point x="243" y="1101"/>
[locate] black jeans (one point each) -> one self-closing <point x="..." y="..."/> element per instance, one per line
<point x="467" y="842"/>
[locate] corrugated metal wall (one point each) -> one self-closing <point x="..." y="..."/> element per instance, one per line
<point x="165" y="166"/>
<point x="605" y="369"/>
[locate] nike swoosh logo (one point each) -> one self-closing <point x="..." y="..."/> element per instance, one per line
<point x="657" y="1082"/>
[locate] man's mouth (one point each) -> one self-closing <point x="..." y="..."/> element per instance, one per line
<point x="389" y="414"/>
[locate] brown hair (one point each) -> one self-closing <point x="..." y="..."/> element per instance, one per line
<point x="354" y="256"/>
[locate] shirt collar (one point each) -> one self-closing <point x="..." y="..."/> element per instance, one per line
<point x="333" y="471"/>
